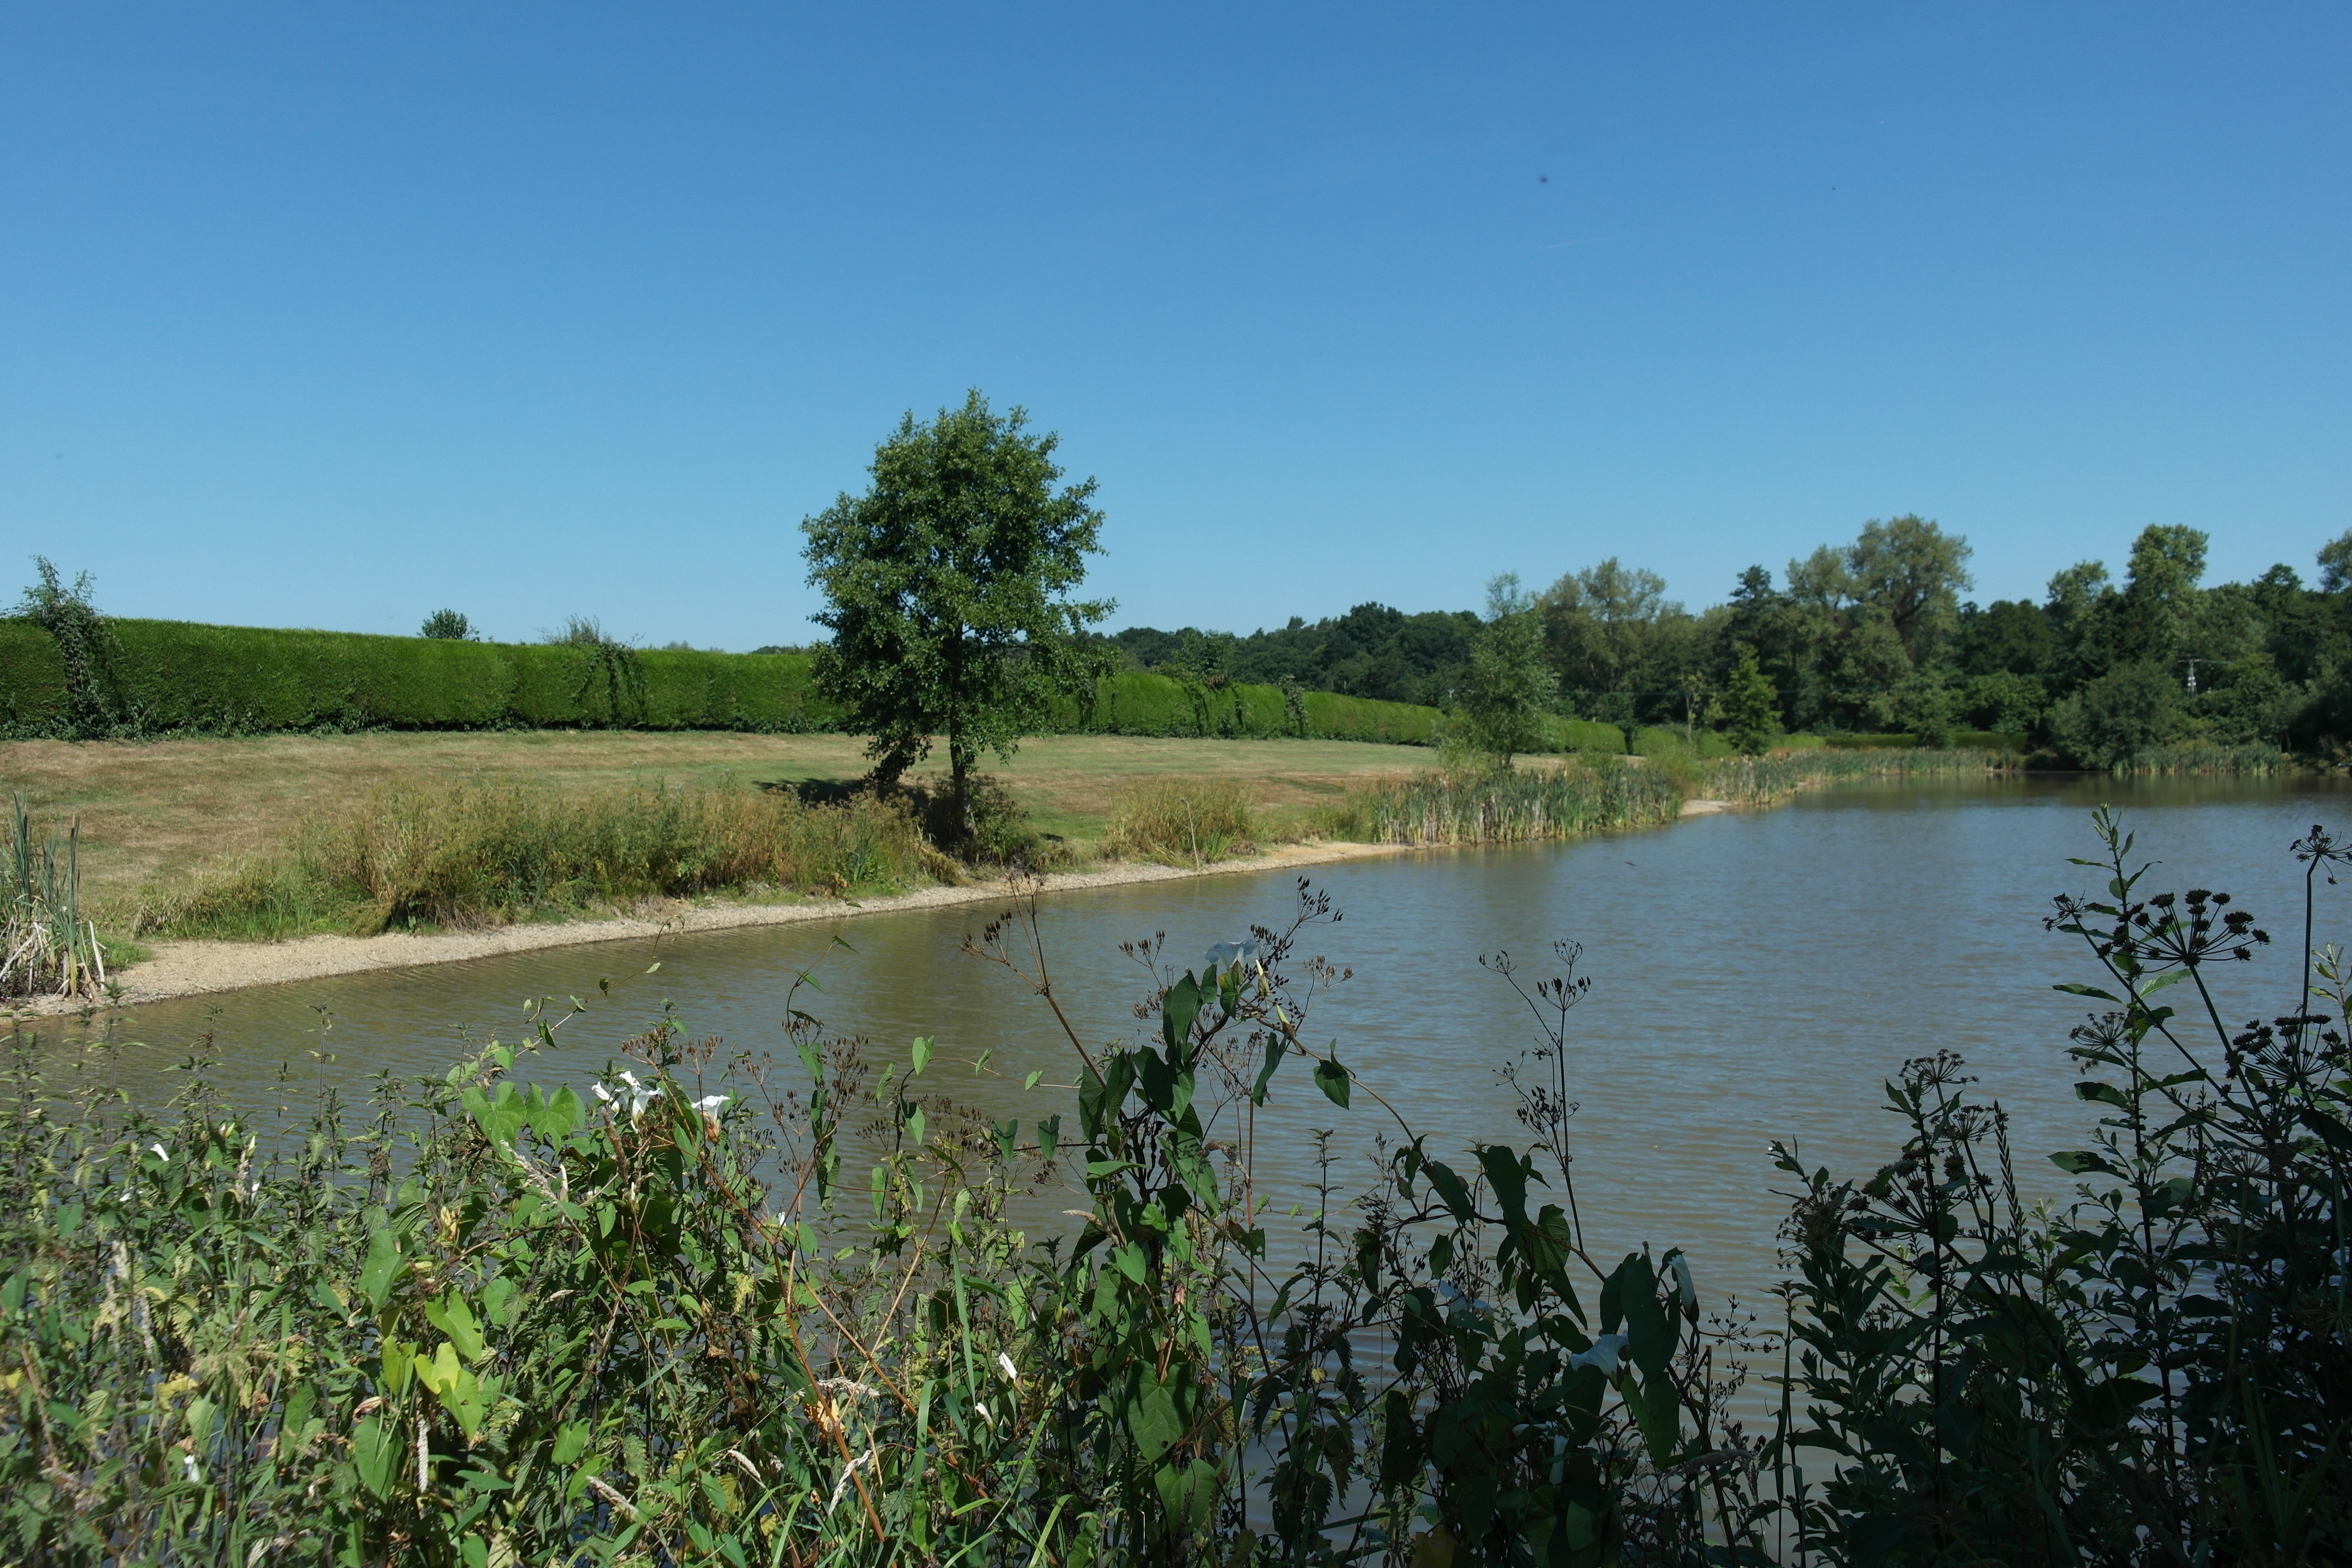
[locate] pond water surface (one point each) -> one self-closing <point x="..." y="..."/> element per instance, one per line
<point x="1757" y="975"/>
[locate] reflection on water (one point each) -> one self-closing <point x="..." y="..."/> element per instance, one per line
<point x="1756" y="977"/>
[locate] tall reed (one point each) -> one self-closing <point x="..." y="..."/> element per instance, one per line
<point x="486" y="853"/>
<point x="2209" y="758"/>
<point x="1465" y="805"/>
<point x="48" y="946"/>
<point x="1755" y="781"/>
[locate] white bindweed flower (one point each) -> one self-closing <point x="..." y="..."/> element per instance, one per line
<point x="194" y="1475"/>
<point x="712" y="1101"/>
<point x="1606" y="1353"/>
<point x="640" y="1095"/>
<point x="161" y="1152"/>
<point x="1011" y="1372"/>
<point x="982" y="1405"/>
<point x="1681" y="1266"/>
<point x="1231" y="954"/>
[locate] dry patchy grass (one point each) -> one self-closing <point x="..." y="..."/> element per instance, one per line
<point x="156" y="811"/>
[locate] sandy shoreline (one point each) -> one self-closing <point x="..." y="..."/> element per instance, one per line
<point x="204" y="968"/>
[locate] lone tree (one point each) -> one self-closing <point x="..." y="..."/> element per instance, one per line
<point x="1510" y="686"/>
<point x="949" y="584"/>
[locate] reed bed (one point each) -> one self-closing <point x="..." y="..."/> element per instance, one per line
<point x="48" y="946"/>
<point x="2209" y="759"/>
<point x="1184" y="821"/>
<point x="1492" y="806"/>
<point x="1757" y="781"/>
<point x="492" y="853"/>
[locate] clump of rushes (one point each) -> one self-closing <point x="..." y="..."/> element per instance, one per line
<point x="1488" y="806"/>
<point x="48" y="948"/>
<point x="490" y="853"/>
<point x="1183" y="821"/>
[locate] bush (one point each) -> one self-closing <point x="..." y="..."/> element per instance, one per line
<point x="2137" y="707"/>
<point x="485" y="854"/>
<point x="447" y="625"/>
<point x="1184" y="821"/>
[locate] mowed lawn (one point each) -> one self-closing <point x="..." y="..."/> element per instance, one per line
<point x="153" y="810"/>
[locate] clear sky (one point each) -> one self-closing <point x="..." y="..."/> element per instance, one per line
<point x="331" y="314"/>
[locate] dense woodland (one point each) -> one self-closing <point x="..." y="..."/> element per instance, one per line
<point x="1879" y="636"/>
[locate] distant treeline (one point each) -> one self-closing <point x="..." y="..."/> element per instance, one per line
<point x="144" y="677"/>
<point x="1876" y="637"/>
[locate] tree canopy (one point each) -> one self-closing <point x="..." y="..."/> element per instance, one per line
<point x="949" y="587"/>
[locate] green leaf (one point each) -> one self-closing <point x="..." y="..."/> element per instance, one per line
<point x="2091" y="991"/>
<point x="1049" y="1134"/>
<point x="1453" y="1189"/>
<point x="375" y="1451"/>
<point x="1656" y="1412"/>
<point x="1031" y="1081"/>
<point x="1650" y="1334"/>
<point x="1507" y="1175"/>
<point x="2075" y="1162"/>
<point x="1177" y="1011"/>
<point x="572" y="1441"/>
<point x="1332" y="1080"/>
<point x="385" y="1256"/>
<point x="454" y="1318"/>
<point x="399" y="1358"/>
<point x="1274" y="1046"/>
<point x="922" y="1052"/>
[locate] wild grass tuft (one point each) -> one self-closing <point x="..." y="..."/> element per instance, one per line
<point x="490" y="853"/>
<point x="1183" y="821"/>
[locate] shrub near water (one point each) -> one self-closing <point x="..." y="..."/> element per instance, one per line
<point x="487" y="853"/>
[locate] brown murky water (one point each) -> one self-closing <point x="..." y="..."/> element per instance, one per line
<point x="1756" y="977"/>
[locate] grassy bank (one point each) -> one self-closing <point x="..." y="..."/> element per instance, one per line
<point x="476" y="854"/>
<point x="155" y="812"/>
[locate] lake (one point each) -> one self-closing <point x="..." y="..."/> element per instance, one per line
<point x="1757" y="975"/>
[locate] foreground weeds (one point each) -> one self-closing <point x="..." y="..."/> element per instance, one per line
<point x="717" y="1311"/>
<point x="488" y="853"/>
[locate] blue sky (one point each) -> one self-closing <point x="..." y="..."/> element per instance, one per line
<point x="330" y="315"/>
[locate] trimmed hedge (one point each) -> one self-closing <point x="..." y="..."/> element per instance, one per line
<point x="185" y="676"/>
<point x="1656" y="739"/>
<point x="181" y="676"/>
